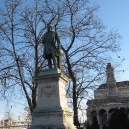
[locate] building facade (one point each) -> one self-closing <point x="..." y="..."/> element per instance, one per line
<point x="107" y="97"/>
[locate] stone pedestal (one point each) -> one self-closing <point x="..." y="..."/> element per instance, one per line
<point x="52" y="109"/>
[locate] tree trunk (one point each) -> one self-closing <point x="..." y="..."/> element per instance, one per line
<point x="75" y="109"/>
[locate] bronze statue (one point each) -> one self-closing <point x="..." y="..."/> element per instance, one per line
<point x="52" y="48"/>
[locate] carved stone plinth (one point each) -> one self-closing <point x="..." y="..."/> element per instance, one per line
<point x="52" y="109"/>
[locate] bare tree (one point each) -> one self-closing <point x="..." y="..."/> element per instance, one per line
<point x="10" y="65"/>
<point x="87" y="47"/>
<point x="17" y="56"/>
<point x="85" y="42"/>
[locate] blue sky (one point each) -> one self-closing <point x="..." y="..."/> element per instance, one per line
<point x="115" y="15"/>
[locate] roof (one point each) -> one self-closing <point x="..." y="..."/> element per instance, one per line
<point x="108" y="100"/>
<point x="118" y="84"/>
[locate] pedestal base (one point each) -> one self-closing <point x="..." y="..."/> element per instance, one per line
<point x="52" y="109"/>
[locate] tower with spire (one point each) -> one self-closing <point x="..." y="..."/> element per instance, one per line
<point x="111" y="82"/>
<point x="109" y="96"/>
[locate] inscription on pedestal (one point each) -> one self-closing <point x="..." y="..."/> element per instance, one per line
<point x="48" y="91"/>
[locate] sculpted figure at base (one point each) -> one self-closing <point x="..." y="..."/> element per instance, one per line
<point x="52" y="48"/>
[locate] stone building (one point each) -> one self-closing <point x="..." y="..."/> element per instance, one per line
<point x="107" y="97"/>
